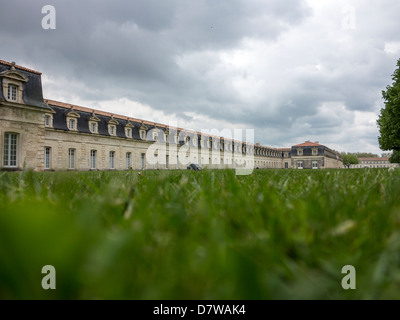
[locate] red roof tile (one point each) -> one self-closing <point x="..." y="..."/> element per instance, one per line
<point x="308" y="144"/>
<point x="374" y="159"/>
<point x="19" y="67"/>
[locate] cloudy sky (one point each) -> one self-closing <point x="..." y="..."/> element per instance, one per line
<point x="291" y="70"/>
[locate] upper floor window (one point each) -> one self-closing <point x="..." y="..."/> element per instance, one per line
<point x="155" y="136"/>
<point x="128" y="132"/>
<point x="314" y="151"/>
<point x="12" y="92"/>
<point x="12" y="84"/>
<point x="142" y="131"/>
<point x="111" y="130"/>
<point x="71" y="124"/>
<point x="48" y="120"/>
<point x="72" y="119"/>
<point x="299" y="152"/>
<point x="93" y="127"/>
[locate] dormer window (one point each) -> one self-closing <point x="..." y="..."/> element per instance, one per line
<point x="12" y="92"/>
<point x="48" y="120"/>
<point x="128" y="129"/>
<point x="112" y="130"/>
<point x="314" y="151"/>
<point x="155" y="136"/>
<point x="112" y="126"/>
<point x="72" y="120"/>
<point x="142" y="131"/>
<point x="12" y="84"/>
<point x="299" y="152"/>
<point x="94" y="123"/>
<point x="71" y="124"/>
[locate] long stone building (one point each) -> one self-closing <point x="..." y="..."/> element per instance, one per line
<point x="44" y="134"/>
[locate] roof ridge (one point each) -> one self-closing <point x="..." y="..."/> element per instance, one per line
<point x="19" y="67"/>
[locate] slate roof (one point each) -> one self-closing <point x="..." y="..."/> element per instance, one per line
<point x="32" y="89"/>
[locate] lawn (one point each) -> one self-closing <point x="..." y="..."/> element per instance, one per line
<point x="274" y="234"/>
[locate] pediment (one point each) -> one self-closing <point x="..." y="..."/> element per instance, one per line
<point x="14" y="75"/>
<point x="73" y="114"/>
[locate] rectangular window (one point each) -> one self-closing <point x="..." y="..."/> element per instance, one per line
<point x="142" y="159"/>
<point x="71" y="158"/>
<point x="300" y="165"/>
<point x="128" y="160"/>
<point x="166" y="161"/>
<point x="10" y="149"/>
<point x="112" y="159"/>
<point x="47" y="121"/>
<point x="47" y="151"/>
<point x="142" y="134"/>
<point x="71" y="124"/>
<point x="93" y="127"/>
<point x="128" y="132"/>
<point x="93" y="159"/>
<point x="286" y="165"/>
<point x="315" y="165"/>
<point x="111" y="130"/>
<point x="155" y="161"/>
<point x="12" y="93"/>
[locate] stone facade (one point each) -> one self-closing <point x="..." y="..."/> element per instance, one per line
<point x="312" y="155"/>
<point x="374" y="162"/>
<point x="51" y="135"/>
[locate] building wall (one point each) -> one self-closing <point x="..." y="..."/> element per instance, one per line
<point x="61" y="141"/>
<point x="28" y="124"/>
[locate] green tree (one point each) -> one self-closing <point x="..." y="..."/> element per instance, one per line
<point x="349" y="159"/>
<point x="395" y="157"/>
<point x="389" y="119"/>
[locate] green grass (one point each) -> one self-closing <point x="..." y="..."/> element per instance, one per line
<point x="275" y="234"/>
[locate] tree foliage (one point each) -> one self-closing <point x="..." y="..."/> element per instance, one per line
<point x="395" y="157"/>
<point x="389" y="118"/>
<point x="349" y="159"/>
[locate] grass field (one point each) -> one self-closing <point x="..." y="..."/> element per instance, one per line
<point x="275" y="234"/>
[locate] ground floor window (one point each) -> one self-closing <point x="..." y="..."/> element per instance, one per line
<point x="71" y="158"/>
<point x="142" y="156"/>
<point x="93" y="154"/>
<point x="112" y="159"/>
<point x="286" y="165"/>
<point x="300" y="165"/>
<point x="47" y="154"/>
<point x="315" y="165"/>
<point x="128" y="160"/>
<point x="10" y="149"/>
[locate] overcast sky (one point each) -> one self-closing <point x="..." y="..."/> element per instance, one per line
<point x="290" y="70"/>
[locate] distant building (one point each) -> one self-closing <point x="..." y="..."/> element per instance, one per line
<point x="44" y="134"/>
<point x="380" y="162"/>
<point x="312" y="155"/>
